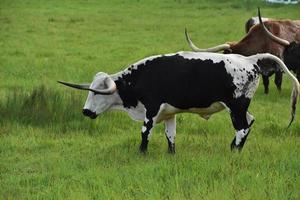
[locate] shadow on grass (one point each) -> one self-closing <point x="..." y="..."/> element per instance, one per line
<point x="45" y="108"/>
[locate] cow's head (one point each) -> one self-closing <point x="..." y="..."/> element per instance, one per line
<point x="100" y="97"/>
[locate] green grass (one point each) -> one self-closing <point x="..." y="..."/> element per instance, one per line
<point x="48" y="150"/>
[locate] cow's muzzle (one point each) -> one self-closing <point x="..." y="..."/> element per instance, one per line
<point x="88" y="113"/>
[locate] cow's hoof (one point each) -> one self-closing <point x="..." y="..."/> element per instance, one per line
<point x="235" y="147"/>
<point x="171" y="149"/>
<point x="143" y="150"/>
<point x="266" y="91"/>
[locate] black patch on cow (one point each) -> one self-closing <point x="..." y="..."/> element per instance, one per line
<point x="127" y="93"/>
<point x="180" y="82"/>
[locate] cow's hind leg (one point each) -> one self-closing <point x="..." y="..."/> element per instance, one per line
<point x="278" y="80"/>
<point x="266" y="83"/>
<point x="170" y="130"/>
<point x="298" y="75"/>
<point x="242" y="121"/>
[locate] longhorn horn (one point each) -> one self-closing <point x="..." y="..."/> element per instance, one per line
<point x="85" y="86"/>
<point x="211" y="49"/>
<point x="271" y="35"/>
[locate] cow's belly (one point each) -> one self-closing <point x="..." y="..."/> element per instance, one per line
<point x="167" y="111"/>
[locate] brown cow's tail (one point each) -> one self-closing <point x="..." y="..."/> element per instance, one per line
<point x="296" y="88"/>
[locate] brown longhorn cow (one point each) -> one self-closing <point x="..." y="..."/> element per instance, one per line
<point x="291" y="53"/>
<point x="271" y="38"/>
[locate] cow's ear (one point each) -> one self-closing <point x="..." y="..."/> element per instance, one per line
<point x="106" y="82"/>
<point x="110" y="85"/>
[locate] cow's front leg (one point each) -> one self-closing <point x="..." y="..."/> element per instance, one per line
<point x="170" y="130"/>
<point x="278" y="80"/>
<point x="146" y="131"/>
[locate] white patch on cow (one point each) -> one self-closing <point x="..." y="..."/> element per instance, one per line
<point x="137" y="113"/>
<point x="170" y="129"/>
<point x="207" y="112"/>
<point x="89" y="102"/>
<point x="101" y="103"/>
<point x="240" y="135"/>
<point x="249" y="118"/>
<point x="167" y="111"/>
<point x="144" y="129"/>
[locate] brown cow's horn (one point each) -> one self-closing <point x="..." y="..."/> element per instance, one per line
<point x="211" y="49"/>
<point x="271" y="36"/>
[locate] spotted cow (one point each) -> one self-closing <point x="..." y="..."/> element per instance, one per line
<point x="157" y="88"/>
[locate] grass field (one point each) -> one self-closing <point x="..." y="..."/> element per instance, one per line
<point x="48" y="150"/>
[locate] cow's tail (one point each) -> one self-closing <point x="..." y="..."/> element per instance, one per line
<point x="296" y="88"/>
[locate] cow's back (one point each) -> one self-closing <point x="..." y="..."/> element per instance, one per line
<point x="179" y="81"/>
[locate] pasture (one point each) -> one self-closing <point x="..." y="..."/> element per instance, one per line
<point x="49" y="150"/>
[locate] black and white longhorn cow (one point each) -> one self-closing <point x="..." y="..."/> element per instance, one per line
<point x="158" y="87"/>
